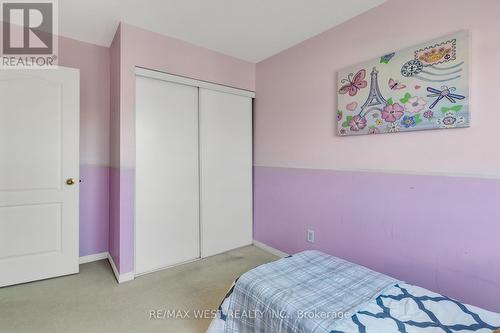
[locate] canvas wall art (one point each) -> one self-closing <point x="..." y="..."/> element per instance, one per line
<point x="419" y="88"/>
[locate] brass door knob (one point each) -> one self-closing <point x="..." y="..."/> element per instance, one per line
<point x="70" y="181"/>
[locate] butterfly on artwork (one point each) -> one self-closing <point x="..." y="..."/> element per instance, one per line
<point x="353" y="83"/>
<point x="396" y="85"/>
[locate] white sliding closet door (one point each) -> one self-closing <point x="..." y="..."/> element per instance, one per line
<point x="167" y="174"/>
<point x="226" y="171"/>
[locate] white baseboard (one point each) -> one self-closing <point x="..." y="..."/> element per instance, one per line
<point x="120" y="277"/>
<point x="93" y="257"/>
<point x="105" y="255"/>
<point x="270" y="249"/>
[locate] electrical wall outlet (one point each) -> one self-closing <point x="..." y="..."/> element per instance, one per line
<point x="310" y="236"/>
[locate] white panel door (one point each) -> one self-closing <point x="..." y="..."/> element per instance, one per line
<point x="167" y="174"/>
<point x="39" y="152"/>
<point x="226" y="171"/>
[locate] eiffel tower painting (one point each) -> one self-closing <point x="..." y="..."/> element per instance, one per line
<point x="375" y="100"/>
<point x="423" y="87"/>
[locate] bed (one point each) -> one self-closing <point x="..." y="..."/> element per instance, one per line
<point x="315" y="292"/>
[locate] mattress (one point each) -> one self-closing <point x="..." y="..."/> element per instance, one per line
<point x="315" y="292"/>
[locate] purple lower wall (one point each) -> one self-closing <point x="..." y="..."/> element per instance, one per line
<point x="121" y="219"/>
<point x="94" y="209"/>
<point x="438" y="232"/>
<point x="127" y="216"/>
<point x="114" y="216"/>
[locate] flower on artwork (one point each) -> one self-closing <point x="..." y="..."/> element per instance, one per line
<point x="450" y="120"/>
<point x="339" y="115"/>
<point x="373" y="130"/>
<point x="379" y="122"/>
<point x="392" y="112"/>
<point x="415" y="104"/>
<point x="342" y="132"/>
<point x="428" y="114"/>
<point x="393" y="127"/>
<point x="357" y="123"/>
<point x="409" y="121"/>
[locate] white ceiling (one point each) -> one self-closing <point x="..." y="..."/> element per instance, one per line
<point x="248" y="29"/>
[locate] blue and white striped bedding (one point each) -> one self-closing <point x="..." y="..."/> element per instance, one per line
<point x="315" y="292"/>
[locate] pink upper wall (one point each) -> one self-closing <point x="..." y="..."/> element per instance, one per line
<point x="93" y="62"/>
<point x="296" y="94"/>
<point x="114" y="92"/>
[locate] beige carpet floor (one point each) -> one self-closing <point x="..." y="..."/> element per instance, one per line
<point x="92" y="301"/>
